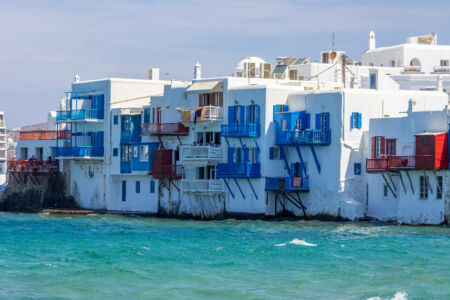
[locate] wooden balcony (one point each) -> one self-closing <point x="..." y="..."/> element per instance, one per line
<point x="44" y="135"/>
<point x="397" y="163"/>
<point x="33" y="166"/>
<point x="164" y="129"/>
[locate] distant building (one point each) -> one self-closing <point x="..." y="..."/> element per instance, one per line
<point x="3" y="148"/>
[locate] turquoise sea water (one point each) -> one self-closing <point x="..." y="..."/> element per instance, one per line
<point x="116" y="257"/>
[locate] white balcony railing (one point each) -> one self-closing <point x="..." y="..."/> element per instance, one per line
<point x="198" y="153"/>
<point x="441" y="69"/>
<point x="213" y="186"/>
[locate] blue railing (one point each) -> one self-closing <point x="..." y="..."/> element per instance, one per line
<point x="303" y="137"/>
<point x="82" y="151"/>
<point x="82" y="114"/>
<point x="238" y="170"/>
<point x="240" y="130"/>
<point x="287" y="184"/>
<point x="128" y="137"/>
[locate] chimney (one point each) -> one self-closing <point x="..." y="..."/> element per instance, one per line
<point x="76" y="78"/>
<point x="197" y="71"/>
<point x="371" y="40"/>
<point x="153" y="74"/>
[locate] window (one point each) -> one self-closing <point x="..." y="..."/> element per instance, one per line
<point x="393" y="63"/>
<point x="373" y="81"/>
<point x="274" y="153"/>
<point x="385" y="190"/>
<point x="253" y="155"/>
<point x="423" y="187"/>
<point x="116" y="120"/>
<point x="253" y="114"/>
<point x="152" y="187"/>
<point x="357" y="168"/>
<point x="115" y="152"/>
<point x="237" y="155"/>
<point x="144" y="153"/>
<point x="124" y="190"/>
<point x="136" y="151"/>
<point x="283" y="124"/>
<point x="355" y="120"/>
<point x="325" y="57"/>
<point x="138" y="187"/>
<point x="391" y="145"/>
<point x="439" y="187"/>
<point x="379" y="151"/>
<point x="298" y="124"/>
<point x="323" y="121"/>
<point x="425" y="144"/>
<point x="444" y="63"/>
<point x="147" y="115"/>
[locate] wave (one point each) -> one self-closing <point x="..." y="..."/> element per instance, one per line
<point x="397" y="296"/>
<point x="297" y="242"/>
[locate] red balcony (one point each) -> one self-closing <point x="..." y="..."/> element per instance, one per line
<point x="168" y="171"/>
<point x="164" y="164"/>
<point x="164" y="129"/>
<point x="33" y="166"/>
<point x="397" y="163"/>
<point x="44" y="135"/>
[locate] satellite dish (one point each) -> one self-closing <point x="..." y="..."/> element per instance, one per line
<point x="333" y="55"/>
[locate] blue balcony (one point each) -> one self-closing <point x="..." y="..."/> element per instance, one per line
<point x="294" y="184"/>
<point x="303" y="137"/>
<point x="130" y="137"/>
<point x="82" y="114"/>
<point x="81" y="151"/>
<point x="239" y="170"/>
<point x="125" y="167"/>
<point x="240" y="130"/>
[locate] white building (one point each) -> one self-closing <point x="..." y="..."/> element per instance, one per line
<point x="3" y="148"/>
<point x="408" y="168"/>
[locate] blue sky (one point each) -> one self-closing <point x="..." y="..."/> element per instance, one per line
<point x="45" y="43"/>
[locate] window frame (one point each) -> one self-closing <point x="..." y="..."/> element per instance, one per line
<point x="423" y="187"/>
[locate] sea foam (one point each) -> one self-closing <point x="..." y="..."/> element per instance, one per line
<point x="297" y="242"/>
<point x="397" y="296"/>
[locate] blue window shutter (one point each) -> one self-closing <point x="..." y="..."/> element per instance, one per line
<point x="257" y="114"/>
<point x="271" y="153"/>
<point x="231" y="114"/>
<point x="242" y="112"/>
<point x="230" y="155"/>
<point x="308" y="121"/>
<point x="238" y="155"/>
<point x="246" y="154"/>
<point x="359" y="120"/>
<point x="318" y="121"/>
<point x="327" y="120"/>
<point x="152" y="186"/>
<point x="248" y="113"/>
<point x="352" y="118"/>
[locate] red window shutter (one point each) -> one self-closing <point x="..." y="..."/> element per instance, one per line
<point x="374" y="146"/>
<point x="159" y="115"/>
<point x="383" y="146"/>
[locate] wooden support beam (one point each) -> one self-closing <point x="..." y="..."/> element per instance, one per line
<point x="392" y="181"/>
<point x="410" y="181"/>
<point x="388" y="185"/>
<point x="428" y="181"/>
<point x="438" y="187"/>
<point x="401" y="180"/>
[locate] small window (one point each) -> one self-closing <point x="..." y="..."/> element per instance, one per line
<point x="385" y="190"/>
<point x="116" y="120"/>
<point x="356" y="120"/>
<point x="439" y="187"/>
<point x="298" y="124"/>
<point x="391" y="145"/>
<point x="115" y="152"/>
<point x="135" y="154"/>
<point x="444" y="63"/>
<point x="274" y="153"/>
<point x="283" y="124"/>
<point x="423" y="187"/>
<point x="425" y="144"/>
<point x="373" y="81"/>
<point x="144" y="153"/>
<point x="152" y="187"/>
<point x="138" y="187"/>
<point x="357" y="168"/>
<point x="393" y="63"/>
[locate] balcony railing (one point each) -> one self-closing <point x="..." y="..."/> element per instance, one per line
<point x="240" y="130"/>
<point x="441" y="69"/>
<point x="79" y="152"/>
<point x="213" y="186"/>
<point x="393" y="162"/>
<point x="204" y="113"/>
<point x="82" y="114"/>
<point x="239" y="170"/>
<point x="164" y="129"/>
<point x="287" y="184"/>
<point x="43" y="135"/>
<point x="167" y="171"/>
<point x="412" y="69"/>
<point x="199" y="153"/>
<point x="303" y="137"/>
<point x="33" y="166"/>
<point x="128" y="137"/>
